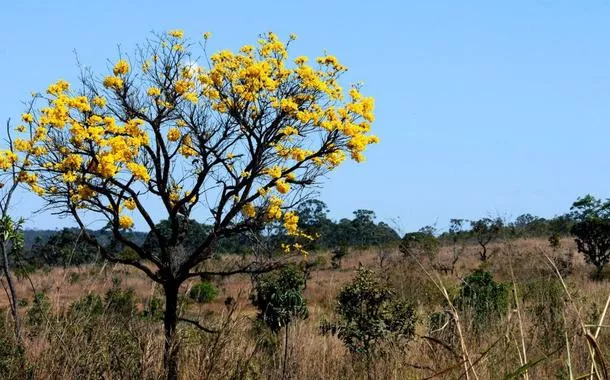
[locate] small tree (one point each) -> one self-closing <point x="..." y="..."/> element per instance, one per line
<point x="238" y="139"/>
<point x="278" y="296"/>
<point x="592" y="231"/>
<point x="485" y="231"/>
<point x="369" y="314"/>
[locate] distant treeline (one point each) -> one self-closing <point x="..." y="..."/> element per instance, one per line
<point x="68" y="246"/>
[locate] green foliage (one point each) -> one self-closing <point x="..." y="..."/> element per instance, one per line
<point x="153" y="309"/>
<point x="420" y="244"/>
<point x="592" y="230"/>
<point x="66" y="247"/>
<point x="545" y="300"/>
<point x="555" y="241"/>
<point x="89" y="305"/>
<point x="120" y="302"/>
<point x="203" y="292"/>
<point x="482" y="298"/>
<point x="369" y="314"/>
<point x="278" y="296"/>
<point x="39" y="311"/>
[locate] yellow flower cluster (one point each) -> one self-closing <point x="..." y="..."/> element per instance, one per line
<point x="113" y="82"/>
<point x="130" y="204"/>
<point x="291" y="220"/>
<point x="249" y="210"/>
<point x="173" y="134"/>
<point x="125" y="221"/>
<point x="121" y="67"/>
<point x="176" y="33"/>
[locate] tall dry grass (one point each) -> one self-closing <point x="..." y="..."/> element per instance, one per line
<point x="556" y="325"/>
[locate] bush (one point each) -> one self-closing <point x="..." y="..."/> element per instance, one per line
<point x="482" y="297"/>
<point x="39" y="312"/>
<point x="278" y="296"/>
<point x="203" y="292"/>
<point x="369" y="314"/>
<point x="120" y="302"/>
<point x="89" y="305"/>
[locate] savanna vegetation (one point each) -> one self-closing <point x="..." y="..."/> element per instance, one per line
<point x="237" y="271"/>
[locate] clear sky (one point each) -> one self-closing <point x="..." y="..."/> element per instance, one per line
<point x="483" y="107"/>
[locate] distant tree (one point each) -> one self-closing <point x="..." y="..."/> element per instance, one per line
<point x="420" y="244"/>
<point x="592" y="230"/>
<point x="313" y="220"/>
<point x="66" y="247"/>
<point x="363" y="226"/>
<point x="485" y="231"/>
<point x="456" y="231"/>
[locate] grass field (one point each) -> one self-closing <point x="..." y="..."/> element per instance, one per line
<point x="542" y="334"/>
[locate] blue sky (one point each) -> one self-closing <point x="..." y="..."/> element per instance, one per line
<point x="483" y="107"/>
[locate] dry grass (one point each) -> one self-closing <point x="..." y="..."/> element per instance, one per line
<point x="544" y="333"/>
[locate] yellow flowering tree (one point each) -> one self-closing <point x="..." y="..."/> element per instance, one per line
<point x="239" y="137"/>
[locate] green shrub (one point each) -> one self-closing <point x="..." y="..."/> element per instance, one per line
<point x="89" y="305"/>
<point x="370" y="313"/>
<point x="483" y="298"/>
<point x="39" y="312"/>
<point x="203" y="292"/>
<point x="120" y="302"/>
<point x="278" y="296"/>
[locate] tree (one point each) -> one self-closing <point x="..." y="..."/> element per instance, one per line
<point x="485" y="231"/>
<point x="67" y="247"/>
<point x="420" y="244"/>
<point x="238" y="143"/>
<point x="592" y="230"/>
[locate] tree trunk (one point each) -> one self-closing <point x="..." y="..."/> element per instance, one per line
<point x="170" y="322"/>
<point x="12" y="293"/>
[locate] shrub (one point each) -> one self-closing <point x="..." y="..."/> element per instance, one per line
<point x="203" y="292"/>
<point x="89" y="305"/>
<point x="482" y="297"/>
<point x="39" y="311"/>
<point x="120" y="302"/>
<point x="369" y="314"/>
<point x="278" y="296"/>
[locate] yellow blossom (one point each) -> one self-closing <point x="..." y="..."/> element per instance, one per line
<point x="153" y="91"/>
<point x="249" y="210"/>
<point x="99" y="101"/>
<point x="176" y="33"/>
<point x="27" y="117"/>
<point x="130" y="204"/>
<point x="173" y="134"/>
<point x="125" y="221"/>
<point x="282" y="186"/>
<point x="138" y="171"/>
<point x="113" y="82"/>
<point x="121" y="67"/>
